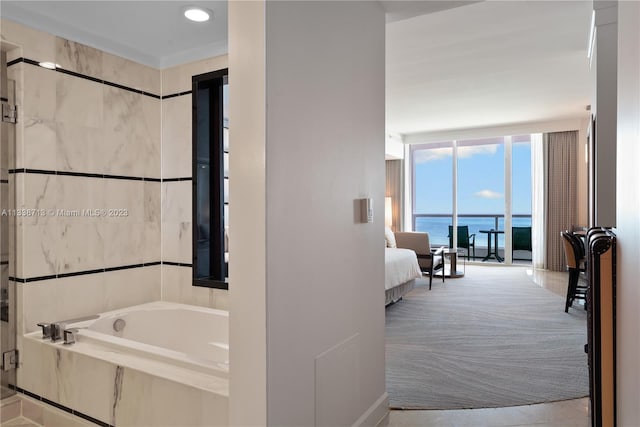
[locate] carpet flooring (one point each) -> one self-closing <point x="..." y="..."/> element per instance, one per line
<point x="490" y="339"/>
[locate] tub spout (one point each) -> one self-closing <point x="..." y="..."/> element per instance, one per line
<point x="57" y="331"/>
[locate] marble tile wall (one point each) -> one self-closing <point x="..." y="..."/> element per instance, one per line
<point x="73" y="132"/>
<point x="117" y="394"/>
<point x="83" y="145"/>
<point x="176" y="194"/>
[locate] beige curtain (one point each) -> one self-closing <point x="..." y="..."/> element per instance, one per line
<point x="395" y="191"/>
<point x="561" y="150"/>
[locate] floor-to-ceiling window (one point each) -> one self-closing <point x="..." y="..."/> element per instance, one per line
<point x="480" y="184"/>
<point x="481" y="198"/>
<point x="433" y="190"/>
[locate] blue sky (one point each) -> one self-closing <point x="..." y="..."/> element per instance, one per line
<point x="480" y="179"/>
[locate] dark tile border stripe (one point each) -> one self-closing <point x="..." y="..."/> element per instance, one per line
<point x="173" y="95"/>
<point x="4" y="181"/>
<point x="83" y="174"/>
<point x="82" y="273"/>
<point x="177" y="264"/>
<point x="3" y="99"/>
<point x="14" y="61"/>
<point x="97" y="80"/>
<point x="186" y="178"/>
<point x="94" y="175"/>
<point x="59" y="406"/>
<point x="86" y="77"/>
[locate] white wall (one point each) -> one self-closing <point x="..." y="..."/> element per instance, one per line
<point x="628" y="207"/>
<point x="247" y="225"/>
<point x="319" y="66"/>
<point x="604" y="107"/>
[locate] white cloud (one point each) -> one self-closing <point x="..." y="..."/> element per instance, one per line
<point x="472" y="150"/>
<point x="432" y="154"/>
<point x="488" y="194"/>
<point x="423" y="156"/>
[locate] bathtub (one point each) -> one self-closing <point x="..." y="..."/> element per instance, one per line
<point x="192" y="337"/>
<point x="158" y="363"/>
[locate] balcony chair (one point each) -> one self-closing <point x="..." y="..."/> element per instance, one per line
<point x="520" y="239"/>
<point x="576" y="265"/>
<point x="465" y="240"/>
<point x="430" y="259"/>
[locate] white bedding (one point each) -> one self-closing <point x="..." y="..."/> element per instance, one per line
<point x="400" y="266"/>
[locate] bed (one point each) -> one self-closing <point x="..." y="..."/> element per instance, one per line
<point x="401" y="270"/>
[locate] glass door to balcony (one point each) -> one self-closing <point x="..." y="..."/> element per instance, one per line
<point x="481" y="194"/>
<point x="480" y="188"/>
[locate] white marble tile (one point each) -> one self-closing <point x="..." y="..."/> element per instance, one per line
<point x="125" y="288"/>
<point x="74" y="145"/>
<point x="40" y="192"/>
<point x="16" y="157"/>
<point x="72" y="198"/>
<point x="92" y="384"/>
<point x="36" y="45"/>
<point x="131" y="133"/>
<point x="176" y="201"/>
<point x="78" y="101"/>
<point x="30" y="374"/>
<point x="177" y="286"/>
<point x="39" y="143"/>
<point x="177" y="241"/>
<point x="39" y="249"/>
<point x="170" y="283"/>
<point x="152" y="207"/>
<point x="152" y="242"/>
<point x="40" y="94"/>
<point x="221" y="299"/>
<point x="176" y="137"/>
<point x="131" y="74"/>
<point x="80" y="247"/>
<point x="123" y="243"/>
<point x="79" y="58"/>
<point x="60" y="299"/>
<point x="167" y="403"/>
<point x="129" y="410"/>
<point x="124" y="194"/>
<point x="150" y="149"/>
<point x="178" y="79"/>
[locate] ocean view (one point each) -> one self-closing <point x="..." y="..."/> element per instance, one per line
<point x="438" y="228"/>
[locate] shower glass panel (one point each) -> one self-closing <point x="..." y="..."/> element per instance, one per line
<point x="7" y="288"/>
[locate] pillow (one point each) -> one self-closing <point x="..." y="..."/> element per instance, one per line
<point x="389" y="237"/>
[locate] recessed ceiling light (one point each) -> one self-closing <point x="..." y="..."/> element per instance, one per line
<point x="197" y="14"/>
<point x="49" y="65"/>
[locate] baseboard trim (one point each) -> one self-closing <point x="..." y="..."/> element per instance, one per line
<point x="376" y="415"/>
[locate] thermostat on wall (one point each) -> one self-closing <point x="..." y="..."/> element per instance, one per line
<point x="366" y="210"/>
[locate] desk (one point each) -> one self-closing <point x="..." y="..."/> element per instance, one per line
<point x="495" y="240"/>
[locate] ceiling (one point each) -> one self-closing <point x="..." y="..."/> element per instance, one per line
<point x="488" y="64"/>
<point x="450" y="64"/>
<point x="154" y="33"/>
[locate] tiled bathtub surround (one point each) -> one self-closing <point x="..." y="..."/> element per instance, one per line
<point x="101" y="132"/>
<point x="176" y="186"/>
<point x="121" y="389"/>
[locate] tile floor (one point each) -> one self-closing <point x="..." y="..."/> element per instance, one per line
<point x="568" y="413"/>
<point x="20" y="422"/>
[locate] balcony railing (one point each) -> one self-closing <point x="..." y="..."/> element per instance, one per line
<point x="437" y="225"/>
